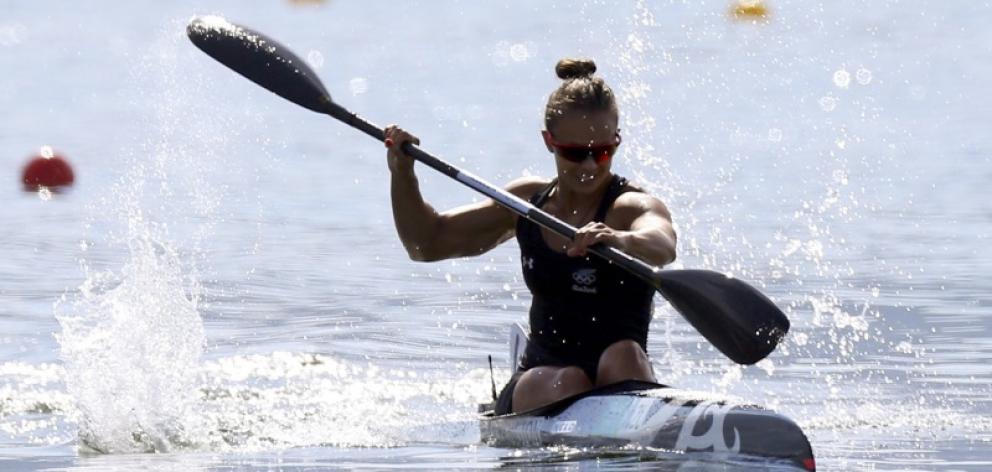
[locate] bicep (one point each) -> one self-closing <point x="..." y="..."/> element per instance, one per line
<point x="476" y="228"/>
<point x="472" y="229"/>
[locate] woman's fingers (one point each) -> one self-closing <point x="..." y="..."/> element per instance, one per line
<point x="588" y="235"/>
<point x="394" y="139"/>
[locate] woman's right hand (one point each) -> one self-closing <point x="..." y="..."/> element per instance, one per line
<point x="398" y="160"/>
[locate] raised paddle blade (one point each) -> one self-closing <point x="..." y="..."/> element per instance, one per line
<point x="734" y="316"/>
<point x="261" y="59"/>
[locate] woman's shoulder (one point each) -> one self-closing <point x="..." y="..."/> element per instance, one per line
<point x="636" y="200"/>
<point x="526" y="186"/>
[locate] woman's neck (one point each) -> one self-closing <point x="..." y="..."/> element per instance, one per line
<point x="571" y="202"/>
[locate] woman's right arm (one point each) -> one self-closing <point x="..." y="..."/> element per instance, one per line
<point x="463" y="231"/>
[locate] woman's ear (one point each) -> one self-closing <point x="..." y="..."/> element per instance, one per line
<point x="547" y="140"/>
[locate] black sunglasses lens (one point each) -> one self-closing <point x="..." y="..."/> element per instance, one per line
<point x="575" y="155"/>
<point x="598" y="154"/>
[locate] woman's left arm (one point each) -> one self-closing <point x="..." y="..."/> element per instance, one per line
<point x="649" y="235"/>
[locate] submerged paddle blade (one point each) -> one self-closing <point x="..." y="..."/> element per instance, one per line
<point x="738" y="319"/>
<point x="261" y="59"/>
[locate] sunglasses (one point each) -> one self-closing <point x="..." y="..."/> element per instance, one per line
<point x="577" y="153"/>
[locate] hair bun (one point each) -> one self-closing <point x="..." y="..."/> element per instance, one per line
<point x="569" y="68"/>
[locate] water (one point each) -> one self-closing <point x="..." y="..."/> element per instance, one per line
<point x="224" y="287"/>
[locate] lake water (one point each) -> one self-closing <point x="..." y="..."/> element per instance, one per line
<point x="223" y="285"/>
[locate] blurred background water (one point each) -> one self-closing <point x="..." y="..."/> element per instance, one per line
<point x="223" y="284"/>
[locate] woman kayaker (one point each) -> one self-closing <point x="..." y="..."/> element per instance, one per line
<point x="588" y="319"/>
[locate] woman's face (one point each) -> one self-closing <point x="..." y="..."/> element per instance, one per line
<point x="577" y="130"/>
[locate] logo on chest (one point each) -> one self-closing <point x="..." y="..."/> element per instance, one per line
<point x="585" y="280"/>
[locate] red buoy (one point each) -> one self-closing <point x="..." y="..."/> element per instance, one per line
<point x="47" y="169"/>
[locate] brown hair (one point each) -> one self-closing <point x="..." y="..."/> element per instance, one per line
<point x="580" y="91"/>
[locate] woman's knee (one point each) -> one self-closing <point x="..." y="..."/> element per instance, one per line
<point x="543" y="385"/>
<point x="571" y="379"/>
<point x="624" y="360"/>
<point x="625" y="351"/>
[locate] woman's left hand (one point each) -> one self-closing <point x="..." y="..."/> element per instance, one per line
<point x="595" y="233"/>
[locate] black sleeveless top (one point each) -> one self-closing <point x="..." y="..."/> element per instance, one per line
<point x="581" y="305"/>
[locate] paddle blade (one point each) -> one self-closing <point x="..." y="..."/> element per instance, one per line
<point x="261" y="59"/>
<point x="738" y="319"/>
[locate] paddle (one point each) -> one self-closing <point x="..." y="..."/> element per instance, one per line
<point x="739" y="320"/>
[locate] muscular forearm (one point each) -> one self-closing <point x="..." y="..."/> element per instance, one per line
<point x="416" y="221"/>
<point x="650" y="245"/>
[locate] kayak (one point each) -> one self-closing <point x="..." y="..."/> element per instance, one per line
<point x="650" y="415"/>
<point x="645" y="414"/>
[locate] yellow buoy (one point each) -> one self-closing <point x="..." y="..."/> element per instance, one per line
<point x="749" y="10"/>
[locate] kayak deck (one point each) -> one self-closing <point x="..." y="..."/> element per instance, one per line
<point x="652" y="415"/>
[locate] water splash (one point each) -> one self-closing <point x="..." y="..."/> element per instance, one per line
<point x="131" y="335"/>
<point x="129" y="343"/>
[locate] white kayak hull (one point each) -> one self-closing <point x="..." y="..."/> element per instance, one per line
<point x="652" y="415"/>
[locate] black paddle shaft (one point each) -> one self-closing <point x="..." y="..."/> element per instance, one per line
<point x="738" y="319"/>
<point x="506" y="199"/>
